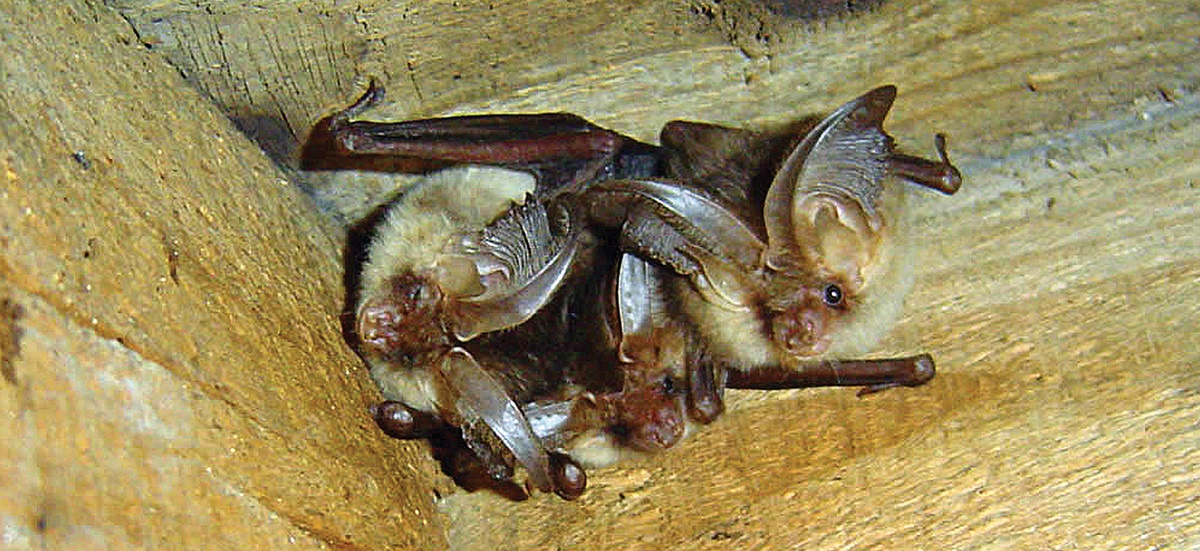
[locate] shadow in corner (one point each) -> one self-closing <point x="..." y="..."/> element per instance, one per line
<point x="273" y="136"/>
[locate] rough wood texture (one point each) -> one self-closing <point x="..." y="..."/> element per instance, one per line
<point x="1064" y="414"/>
<point x="173" y="370"/>
<point x="1057" y="290"/>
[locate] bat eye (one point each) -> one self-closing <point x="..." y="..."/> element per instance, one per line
<point x="832" y="294"/>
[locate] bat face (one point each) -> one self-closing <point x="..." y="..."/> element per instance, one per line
<point x="836" y="294"/>
<point x="831" y="217"/>
<point x="598" y="301"/>
<point x="651" y="409"/>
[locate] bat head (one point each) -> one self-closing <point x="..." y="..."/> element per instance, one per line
<point x="649" y="410"/>
<point x="834" y="262"/>
<point x="843" y="284"/>
<point x="832" y="273"/>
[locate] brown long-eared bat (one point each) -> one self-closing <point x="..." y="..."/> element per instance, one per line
<point x="563" y="295"/>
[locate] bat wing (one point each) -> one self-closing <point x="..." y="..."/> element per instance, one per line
<point x="683" y="229"/>
<point x="485" y="413"/>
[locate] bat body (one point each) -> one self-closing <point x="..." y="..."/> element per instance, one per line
<point x="598" y="301"/>
<point x="459" y="326"/>
<point x="419" y="240"/>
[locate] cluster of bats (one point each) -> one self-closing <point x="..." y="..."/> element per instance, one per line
<point x="554" y="296"/>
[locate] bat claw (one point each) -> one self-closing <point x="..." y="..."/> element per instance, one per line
<point x="372" y="97"/>
<point x="921" y="371"/>
<point x="951" y="178"/>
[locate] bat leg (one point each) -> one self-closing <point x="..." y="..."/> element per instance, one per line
<point x="873" y="375"/>
<point x="400" y="421"/>
<point x="939" y="175"/>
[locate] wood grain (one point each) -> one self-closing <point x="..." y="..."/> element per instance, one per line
<point x="174" y="371"/>
<point x="1056" y="290"/>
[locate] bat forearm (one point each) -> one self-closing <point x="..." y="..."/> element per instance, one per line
<point x="873" y="374"/>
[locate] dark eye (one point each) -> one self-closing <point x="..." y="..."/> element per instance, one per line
<point x="668" y="384"/>
<point x="833" y="295"/>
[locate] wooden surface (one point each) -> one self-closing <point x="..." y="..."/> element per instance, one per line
<point x="173" y="372"/>
<point x="1057" y="290"/>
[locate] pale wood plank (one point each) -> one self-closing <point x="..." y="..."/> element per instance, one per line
<point x="1054" y="289"/>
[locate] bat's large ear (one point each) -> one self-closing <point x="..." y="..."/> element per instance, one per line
<point x="640" y="308"/>
<point x="486" y="413"/>
<point x="822" y="204"/>
<point x="683" y="229"/>
<point x="517" y="264"/>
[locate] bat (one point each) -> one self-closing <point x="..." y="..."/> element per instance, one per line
<point x="478" y="279"/>
<point x="465" y="257"/>
<point x="466" y="327"/>
<point x="814" y="266"/>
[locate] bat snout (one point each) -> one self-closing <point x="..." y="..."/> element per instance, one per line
<point x="402" y="322"/>
<point x="650" y="420"/>
<point x="801" y="331"/>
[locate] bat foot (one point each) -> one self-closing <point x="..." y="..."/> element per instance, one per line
<point x="940" y="175"/>
<point x="914" y="371"/>
<point x="569" y="477"/>
<point x="402" y="422"/>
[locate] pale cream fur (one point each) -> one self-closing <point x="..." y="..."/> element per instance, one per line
<point x="414" y="387"/>
<point x="743" y="338"/>
<point x="887" y="282"/>
<point x="601" y="448"/>
<point x="423" y="224"/>
<point x="737" y="335"/>
<point x="430" y="215"/>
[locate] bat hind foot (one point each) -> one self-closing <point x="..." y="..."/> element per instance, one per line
<point x="398" y="420"/>
<point x="568" y="476"/>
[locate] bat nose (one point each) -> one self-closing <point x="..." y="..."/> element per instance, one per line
<point x="661" y="429"/>
<point x="378" y="325"/>
<point x="662" y="434"/>
<point x="404" y="320"/>
<point x="801" y="333"/>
